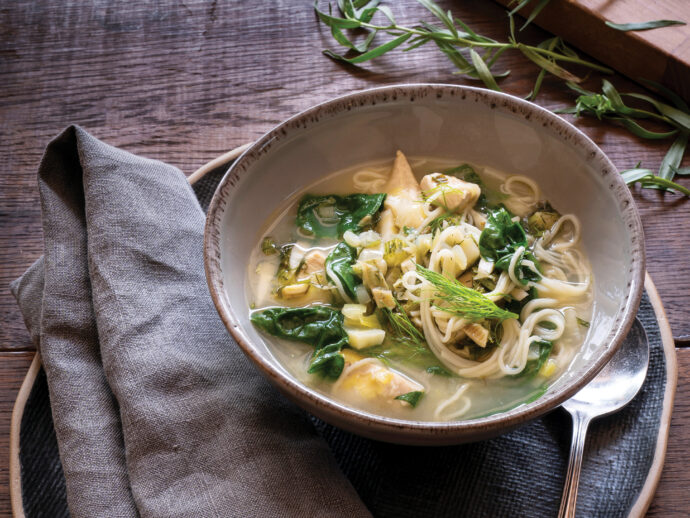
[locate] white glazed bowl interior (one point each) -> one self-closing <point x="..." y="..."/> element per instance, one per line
<point x="441" y="121"/>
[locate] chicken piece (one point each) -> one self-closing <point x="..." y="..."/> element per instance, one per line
<point x="372" y="277"/>
<point x="408" y="265"/>
<point x="402" y="182"/>
<point x="478" y="334"/>
<point x="451" y="193"/>
<point x="386" y="226"/>
<point x="404" y="195"/>
<point x="314" y="262"/>
<point x="466" y="279"/>
<point x="369" y="379"/>
<point x="383" y="298"/>
<point x="292" y="291"/>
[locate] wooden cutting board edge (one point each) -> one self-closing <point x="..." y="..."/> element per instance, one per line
<point x="638" y="55"/>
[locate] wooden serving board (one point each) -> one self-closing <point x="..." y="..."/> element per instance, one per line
<point x="662" y="55"/>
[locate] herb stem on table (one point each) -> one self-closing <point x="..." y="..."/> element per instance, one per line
<point x="475" y="55"/>
<point x="608" y="105"/>
<point x="451" y="38"/>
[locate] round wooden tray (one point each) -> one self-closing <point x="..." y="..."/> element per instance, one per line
<point x="642" y="501"/>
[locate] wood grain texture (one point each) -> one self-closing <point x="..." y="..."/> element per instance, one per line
<point x="662" y="55"/>
<point x="184" y="82"/>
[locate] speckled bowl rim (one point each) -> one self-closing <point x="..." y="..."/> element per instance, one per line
<point x="398" y="429"/>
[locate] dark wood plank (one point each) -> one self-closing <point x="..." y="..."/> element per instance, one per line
<point x="183" y="83"/>
<point x="13" y="367"/>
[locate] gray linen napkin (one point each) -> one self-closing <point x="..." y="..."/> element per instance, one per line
<point x="156" y="411"/>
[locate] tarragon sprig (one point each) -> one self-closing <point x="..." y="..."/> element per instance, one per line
<point x="608" y="105"/>
<point x="472" y="54"/>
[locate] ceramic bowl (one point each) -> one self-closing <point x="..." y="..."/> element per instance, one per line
<point x="443" y="121"/>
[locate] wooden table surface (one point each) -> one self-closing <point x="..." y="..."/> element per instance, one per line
<point x="185" y="81"/>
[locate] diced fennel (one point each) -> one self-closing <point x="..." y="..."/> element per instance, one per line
<point x="394" y="252"/>
<point x="484" y="269"/>
<point x="355" y="316"/>
<point x="363" y="338"/>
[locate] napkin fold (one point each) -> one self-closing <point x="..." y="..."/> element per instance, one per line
<point x="157" y="412"/>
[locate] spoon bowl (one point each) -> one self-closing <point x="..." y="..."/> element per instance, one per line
<point x="613" y="388"/>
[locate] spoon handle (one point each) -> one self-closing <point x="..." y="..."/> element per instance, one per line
<point x="572" y="478"/>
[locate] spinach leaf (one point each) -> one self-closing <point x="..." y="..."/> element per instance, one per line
<point x="320" y="326"/>
<point x="340" y="262"/>
<point x="516" y="306"/>
<point x="465" y="171"/>
<point x="524" y="273"/>
<point x="411" y="397"/>
<point x="328" y="361"/>
<point x="501" y="236"/>
<point x="500" y="239"/>
<point x="332" y="215"/>
<point x="532" y="367"/>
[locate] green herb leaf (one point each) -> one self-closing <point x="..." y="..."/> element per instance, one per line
<point x="682" y="171"/>
<point x="373" y="53"/>
<point x="340" y="262"/>
<point x="268" y="246"/>
<point x="332" y="215"/>
<point x="334" y="21"/>
<point x="641" y="132"/>
<point x="401" y="326"/>
<point x="677" y="117"/>
<point x="388" y="14"/>
<point x="446" y="18"/>
<point x="673" y="156"/>
<point x="672" y="96"/>
<point x="535" y="12"/>
<point x="483" y="71"/>
<point x="451" y="38"/>
<point x="439" y="371"/>
<point x="283" y="273"/>
<point x="643" y="26"/>
<point x="411" y="397"/>
<point x="520" y="5"/>
<point x="582" y="322"/>
<point x="461" y="300"/>
<point x="647" y="178"/>
<point x="548" y="65"/>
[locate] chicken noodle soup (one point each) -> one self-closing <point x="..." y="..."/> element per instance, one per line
<point x="429" y="291"/>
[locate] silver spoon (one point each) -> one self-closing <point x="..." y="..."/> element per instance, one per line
<point x="613" y="388"/>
